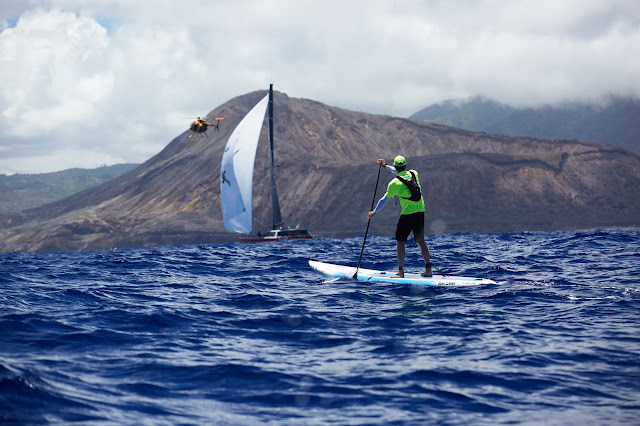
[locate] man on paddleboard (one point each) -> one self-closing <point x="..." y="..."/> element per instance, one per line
<point x="406" y="187"/>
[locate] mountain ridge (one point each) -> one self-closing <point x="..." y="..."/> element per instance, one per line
<point x="612" y="121"/>
<point x="326" y="173"/>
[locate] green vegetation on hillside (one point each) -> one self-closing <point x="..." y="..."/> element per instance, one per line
<point x="24" y="191"/>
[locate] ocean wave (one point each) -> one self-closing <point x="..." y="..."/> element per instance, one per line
<point x="249" y="334"/>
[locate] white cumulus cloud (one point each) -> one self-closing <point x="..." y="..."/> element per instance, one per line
<point x="90" y="83"/>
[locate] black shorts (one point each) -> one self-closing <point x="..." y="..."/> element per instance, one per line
<point x="410" y="223"/>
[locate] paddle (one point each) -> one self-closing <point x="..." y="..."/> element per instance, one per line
<point x="368" y="222"/>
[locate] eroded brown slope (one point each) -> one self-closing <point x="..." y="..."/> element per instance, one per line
<point x="326" y="175"/>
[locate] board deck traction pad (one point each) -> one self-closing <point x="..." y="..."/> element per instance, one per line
<point x="340" y="271"/>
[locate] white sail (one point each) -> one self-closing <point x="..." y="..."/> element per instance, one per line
<point x="236" y="172"/>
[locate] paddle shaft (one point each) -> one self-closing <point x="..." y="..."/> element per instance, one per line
<point x="368" y="222"/>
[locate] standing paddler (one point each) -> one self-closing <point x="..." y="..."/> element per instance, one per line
<point x="406" y="187"/>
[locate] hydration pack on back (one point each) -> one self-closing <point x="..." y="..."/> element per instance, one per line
<point x="413" y="187"/>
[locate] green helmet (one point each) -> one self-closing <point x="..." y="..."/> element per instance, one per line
<point x="399" y="161"/>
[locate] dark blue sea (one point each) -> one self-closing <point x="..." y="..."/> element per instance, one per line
<point x="248" y="334"/>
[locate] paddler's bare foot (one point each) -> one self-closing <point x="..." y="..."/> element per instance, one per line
<point x="400" y="274"/>
<point x="427" y="271"/>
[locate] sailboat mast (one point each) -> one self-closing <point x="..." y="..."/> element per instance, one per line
<point x="277" y="215"/>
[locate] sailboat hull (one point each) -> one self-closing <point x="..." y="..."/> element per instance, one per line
<point x="278" y="235"/>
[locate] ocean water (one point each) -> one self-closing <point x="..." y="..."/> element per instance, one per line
<point x="244" y="334"/>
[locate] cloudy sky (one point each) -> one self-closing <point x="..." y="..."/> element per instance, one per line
<point x="86" y="83"/>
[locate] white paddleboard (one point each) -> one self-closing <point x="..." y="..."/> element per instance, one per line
<point x="340" y="271"/>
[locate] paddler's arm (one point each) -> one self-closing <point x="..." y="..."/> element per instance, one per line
<point x="379" y="206"/>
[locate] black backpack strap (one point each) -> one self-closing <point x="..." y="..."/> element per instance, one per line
<point x="413" y="185"/>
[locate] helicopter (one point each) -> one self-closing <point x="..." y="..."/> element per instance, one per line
<point x="200" y="125"/>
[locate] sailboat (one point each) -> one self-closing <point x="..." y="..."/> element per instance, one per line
<point x="236" y="178"/>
